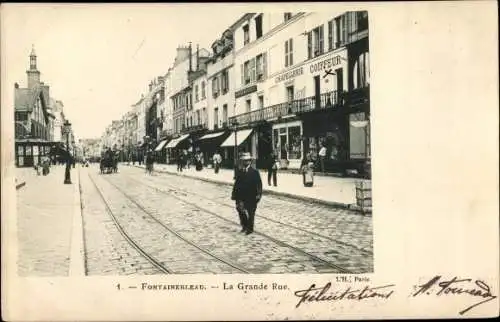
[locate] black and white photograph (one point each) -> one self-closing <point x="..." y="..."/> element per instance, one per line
<point x="212" y="161"/>
<point x="246" y="154"/>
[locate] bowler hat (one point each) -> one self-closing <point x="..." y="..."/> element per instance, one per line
<point x="245" y="156"/>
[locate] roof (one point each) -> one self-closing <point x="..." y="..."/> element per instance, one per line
<point x="25" y="98"/>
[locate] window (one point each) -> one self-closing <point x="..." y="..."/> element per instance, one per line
<point x="361" y="77"/>
<point x="246" y="35"/>
<point x="289" y="93"/>
<point x="258" y="26"/>
<point x="315" y="45"/>
<point x="215" y="86"/>
<point x="225" y="81"/>
<point x="289" y="52"/>
<point x="260" y="67"/>
<point x="204" y="115"/>
<point x="216" y="117"/>
<point x="196" y="97"/>
<point x="261" y="102"/>
<point x="198" y="119"/>
<point x="203" y="90"/>
<point x="362" y="19"/>
<point x="248" y="105"/>
<point x="288" y="16"/>
<point x="246" y="75"/>
<point x="339" y="32"/>
<point x="224" y="113"/>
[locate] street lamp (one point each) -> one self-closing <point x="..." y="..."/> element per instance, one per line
<point x="67" y="174"/>
<point x="235" y="126"/>
<point x="74" y="153"/>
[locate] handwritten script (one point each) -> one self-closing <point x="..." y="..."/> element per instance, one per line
<point x="321" y="294"/>
<point x="437" y="286"/>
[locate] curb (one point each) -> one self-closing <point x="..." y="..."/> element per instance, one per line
<point x="77" y="255"/>
<point x="352" y="207"/>
<point x="20" y="185"/>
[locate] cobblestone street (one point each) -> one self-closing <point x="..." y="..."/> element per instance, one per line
<point x="157" y="211"/>
<point x="138" y="224"/>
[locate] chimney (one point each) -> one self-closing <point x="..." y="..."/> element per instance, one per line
<point x="190" y="57"/>
<point x="16" y="85"/>
<point x="197" y="57"/>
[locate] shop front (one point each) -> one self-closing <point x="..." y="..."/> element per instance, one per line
<point x="210" y="143"/>
<point x="31" y="152"/>
<point x="329" y="129"/>
<point x="175" y="146"/>
<point x="242" y="139"/>
<point x="287" y="144"/>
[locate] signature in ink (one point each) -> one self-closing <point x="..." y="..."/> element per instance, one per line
<point x="320" y="294"/>
<point x="457" y="286"/>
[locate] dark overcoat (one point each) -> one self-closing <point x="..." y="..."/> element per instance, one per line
<point x="247" y="186"/>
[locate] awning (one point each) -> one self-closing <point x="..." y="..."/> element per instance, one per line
<point x="211" y="135"/>
<point x="175" y="142"/>
<point x="241" y="136"/>
<point x="161" y="145"/>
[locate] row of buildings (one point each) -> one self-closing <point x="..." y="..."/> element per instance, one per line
<point x="287" y="83"/>
<point x="40" y="123"/>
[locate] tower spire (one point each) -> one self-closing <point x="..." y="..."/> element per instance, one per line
<point x="33" y="58"/>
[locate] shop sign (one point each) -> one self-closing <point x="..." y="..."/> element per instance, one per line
<point x="289" y="75"/>
<point x="245" y="91"/>
<point x="325" y="64"/>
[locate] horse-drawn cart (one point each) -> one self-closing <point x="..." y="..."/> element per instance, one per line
<point x="109" y="162"/>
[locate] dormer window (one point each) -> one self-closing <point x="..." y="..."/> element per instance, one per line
<point x="246" y="34"/>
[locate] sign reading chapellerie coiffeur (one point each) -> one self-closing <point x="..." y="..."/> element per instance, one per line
<point x="315" y="67"/>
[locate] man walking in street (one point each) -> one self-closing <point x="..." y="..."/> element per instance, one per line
<point x="247" y="192"/>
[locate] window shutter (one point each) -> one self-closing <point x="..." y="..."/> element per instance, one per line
<point x="253" y="69"/>
<point x="264" y="64"/>
<point x="321" y="39"/>
<point x="290" y="50"/>
<point x="330" y="34"/>
<point x="286" y="53"/>
<point x="242" y="75"/>
<point x="309" y="44"/>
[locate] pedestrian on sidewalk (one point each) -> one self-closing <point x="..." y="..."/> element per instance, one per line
<point x="322" y="157"/>
<point x="199" y="161"/>
<point x="272" y="168"/>
<point x="307" y="169"/>
<point x="247" y="192"/>
<point x="180" y="161"/>
<point x="217" y="159"/>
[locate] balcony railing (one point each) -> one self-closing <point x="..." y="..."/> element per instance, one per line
<point x="195" y="128"/>
<point x="358" y="96"/>
<point x="324" y="101"/>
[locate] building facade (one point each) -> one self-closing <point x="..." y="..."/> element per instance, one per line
<point x="34" y="120"/>
<point x="295" y="82"/>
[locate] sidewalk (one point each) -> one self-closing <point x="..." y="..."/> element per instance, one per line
<point x="332" y="191"/>
<point x="49" y="224"/>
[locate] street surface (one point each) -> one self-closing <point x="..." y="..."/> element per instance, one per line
<point x="183" y="225"/>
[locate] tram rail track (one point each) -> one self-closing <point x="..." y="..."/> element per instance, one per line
<point x="298" y="250"/>
<point x="135" y="245"/>
<point x="170" y="187"/>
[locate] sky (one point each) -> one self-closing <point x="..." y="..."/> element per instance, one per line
<point x="98" y="59"/>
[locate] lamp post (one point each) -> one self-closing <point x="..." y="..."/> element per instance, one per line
<point x="67" y="174"/>
<point x="235" y="126"/>
<point x="74" y="153"/>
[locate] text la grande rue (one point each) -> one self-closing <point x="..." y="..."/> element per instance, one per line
<point x="254" y="287"/>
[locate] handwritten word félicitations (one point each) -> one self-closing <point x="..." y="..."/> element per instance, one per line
<point x="438" y="287"/>
<point x="321" y="294"/>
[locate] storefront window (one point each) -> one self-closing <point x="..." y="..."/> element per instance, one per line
<point x="358" y="136"/>
<point x="28" y="150"/>
<point x="20" y="150"/>
<point x="21" y="161"/>
<point x="295" y="140"/>
<point x="35" y="150"/>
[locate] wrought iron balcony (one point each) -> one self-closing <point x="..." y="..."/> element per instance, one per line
<point x="195" y="128"/>
<point x="328" y="100"/>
